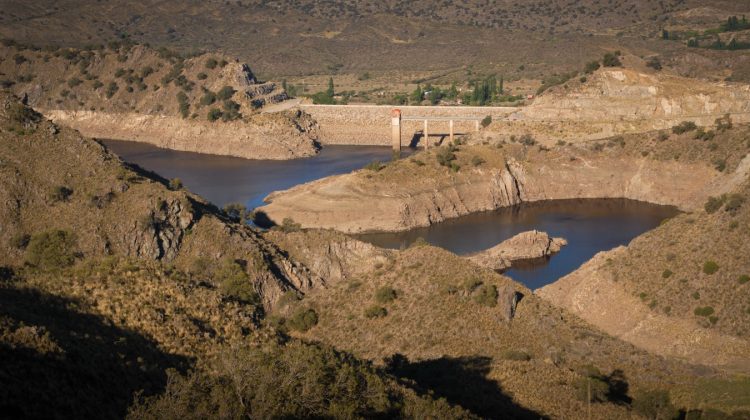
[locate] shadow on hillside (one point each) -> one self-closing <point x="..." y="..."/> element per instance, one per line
<point x="461" y="381"/>
<point x="95" y="375"/>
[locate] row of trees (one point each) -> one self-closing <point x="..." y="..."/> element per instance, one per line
<point x="482" y="92"/>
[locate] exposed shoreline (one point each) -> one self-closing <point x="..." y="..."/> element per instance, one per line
<point x="273" y="140"/>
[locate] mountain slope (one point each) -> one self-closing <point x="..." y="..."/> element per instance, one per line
<point x="208" y="103"/>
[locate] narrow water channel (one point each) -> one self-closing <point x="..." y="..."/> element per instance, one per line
<point x="227" y="179"/>
<point x="589" y="226"/>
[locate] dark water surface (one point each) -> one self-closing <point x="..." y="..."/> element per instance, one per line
<point x="226" y="179"/>
<point x="589" y="226"/>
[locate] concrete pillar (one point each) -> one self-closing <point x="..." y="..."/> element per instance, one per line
<point x="450" y="124"/>
<point x="425" y="136"/>
<point x="476" y="125"/>
<point x="396" y="130"/>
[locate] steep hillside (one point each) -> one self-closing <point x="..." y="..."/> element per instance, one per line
<point x="113" y="286"/>
<point x="684" y="279"/>
<point x="480" y="340"/>
<point x="53" y="179"/>
<point x="512" y="37"/>
<point x="207" y="103"/>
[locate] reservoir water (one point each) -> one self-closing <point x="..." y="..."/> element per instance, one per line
<point x="227" y="179"/>
<point x="589" y="226"/>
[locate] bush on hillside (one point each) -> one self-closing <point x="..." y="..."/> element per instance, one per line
<point x="385" y="294"/>
<point x="591" y="67"/>
<point x="516" y="355"/>
<point x="303" y="319"/>
<point x="231" y="111"/>
<point x="713" y="204"/>
<point x="211" y="63"/>
<point x="744" y="279"/>
<point x="654" y="404"/>
<point x="225" y="93"/>
<point x="20" y="240"/>
<point x="445" y="155"/>
<point x="486" y="295"/>
<point x="208" y="98"/>
<point x="704" y="311"/>
<point x="112" y="88"/>
<point x="724" y="123"/>
<point x="236" y="212"/>
<point x="734" y="203"/>
<point x="476" y="161"/>
<point x="184" y="104"/>
<point x="612" y="60"/>
<point x="288" y="225"/>
<point x="654" y="63"/>
<point x="235" y="283"/>
<point x="73" y="82"/>
<point x="375" y="312"/>
<point x="51" y="250"/>
<point x="202" y="76"/>
<point x="294" y="380"/>
<point x="374" y="166"/>
<point x="214" y="114"/>
<point x="684" y="127"/>
<point x="591" y="389"/>
<point x="175" y="184"/>
<point x="486" y="121"/>
<point x="527" y="140"/>
<point x="710" y="267"/>
<point x="719" y="164"/>
<point x="60" y="193"/>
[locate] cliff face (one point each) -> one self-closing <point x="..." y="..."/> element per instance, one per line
<point x="405" y="195"/>
<point x="207" y="103"/>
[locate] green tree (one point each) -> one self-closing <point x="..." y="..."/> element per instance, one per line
<point x="417" y="95"/>
<point x="452" y="92"/>
<point x="51" y="250"/>
<point x="330" y="91"/>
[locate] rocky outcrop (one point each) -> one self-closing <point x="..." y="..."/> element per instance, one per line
<point x="331" y="255"/>
<point x="524" y="246"/>
<point x="160" y="233"/>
